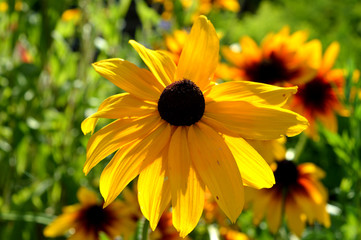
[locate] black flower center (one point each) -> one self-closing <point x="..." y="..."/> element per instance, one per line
<point x="316" y="94"/>
<point x="181" y="103"/>
<point x="286" y="173"/>
<point x="271" y="70"/>
<point x="95" y="218"/>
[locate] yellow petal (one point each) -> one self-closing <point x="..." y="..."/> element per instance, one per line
<point x="274" y="212"/>
<point x="261" y="202"/>
<point x="89" y="124"/>
<point x="154" y="190"/>
<point x="250" y="92"/>
<point x="186" y="188"/>
<point x="255" y="122"/>
<point x="113" y="136"/>
<point x="199" y="57"/>
<point x="160" y="64"/>
<point x="217" y="168"/>
<point x="236" y="58"/>
<point x="126" y="106"/>
<point x="130" y="160"/>
<point x="329" y="57"/>
<point x="293" y="215"/>
<point x="127" y="76"/>
<point x="60" y="225"/>
<point x="311" y="169"/>
<point x="86" y="196"/>
<point x="254" y="169"/>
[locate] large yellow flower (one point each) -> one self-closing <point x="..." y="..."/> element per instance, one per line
<point x="88" y="218"/>
<point x="181" y="133"/>
<point x="281" y="58"/>
<point x="298" y="193"/>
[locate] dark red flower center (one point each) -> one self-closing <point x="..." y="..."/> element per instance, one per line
<point x="181" y="103"/>
<point x="316" y="94"/>
<point x="270" y="70"/>
<point x="286" y="173"/>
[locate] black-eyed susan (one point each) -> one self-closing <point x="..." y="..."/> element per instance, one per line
<point x="87" y="219"/>
<point x="281" y="58"/>
<point x="181" y="133"/>
<point x="298" y="193"/>
<point x="270" y="150"/>
<point x="319" y="99"/>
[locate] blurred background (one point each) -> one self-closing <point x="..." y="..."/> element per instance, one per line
<point x="47" y="87"/>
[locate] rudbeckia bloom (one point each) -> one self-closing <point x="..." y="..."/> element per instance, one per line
<point x="88" y="219"/>
<point x="302" y="193"/>
<point x="319" y="98"/>
<point x="281" y="58"/>
<point x="181" y="133"/>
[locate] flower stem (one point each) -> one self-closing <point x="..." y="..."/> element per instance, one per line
<point x="142" y="229"/>
<point x="300" y="146"/>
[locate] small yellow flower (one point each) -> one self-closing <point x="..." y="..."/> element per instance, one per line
<point x="302" y="193"/>
<point x="206" y="6"/>
<point x="282" y="58"/>
<point x="319" y="98"/>
<point x="181" y="133"/>
<point x="88" y="218"/>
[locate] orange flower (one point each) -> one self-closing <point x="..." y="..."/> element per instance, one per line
<point x="89" y="218"/>
<point x="282" y="58"/>
<point x="319" y="98"/>
<point x="298" y="192"/>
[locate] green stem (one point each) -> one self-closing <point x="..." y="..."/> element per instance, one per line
<point x="27" y="217"/>
<point x="300" y="146"/>
<point x="145" y="229"/>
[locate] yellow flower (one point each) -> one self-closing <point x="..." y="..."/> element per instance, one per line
<point x="319" y="98"/>
<point x="88" y="218"/>
<point x="181" y="133"/>
<point x="282" y="58"/>
<point x="303" y="195"/>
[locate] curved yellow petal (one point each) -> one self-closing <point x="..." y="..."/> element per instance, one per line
<point x="236" y="58"/>
<point x="199" y="57"/>
<point x="60" y="225"/>
<point x="89" y="124"/>
<point x="259" y="122"/>
<point x="127" y="76"/>
<point x="186" y="188"/>
<point x="125" y="106"/>
<point x="254" y="169"/>
<point x="154" y="189"/>
<point x="217" y="168"/>
<point x="86" y="197"/>
<point x="250" y="92"/>
<point x="159" y="63"/>
<point x="329" y="57"/>
<point x="115" y="135"/>
<point x="130" y="160"/>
